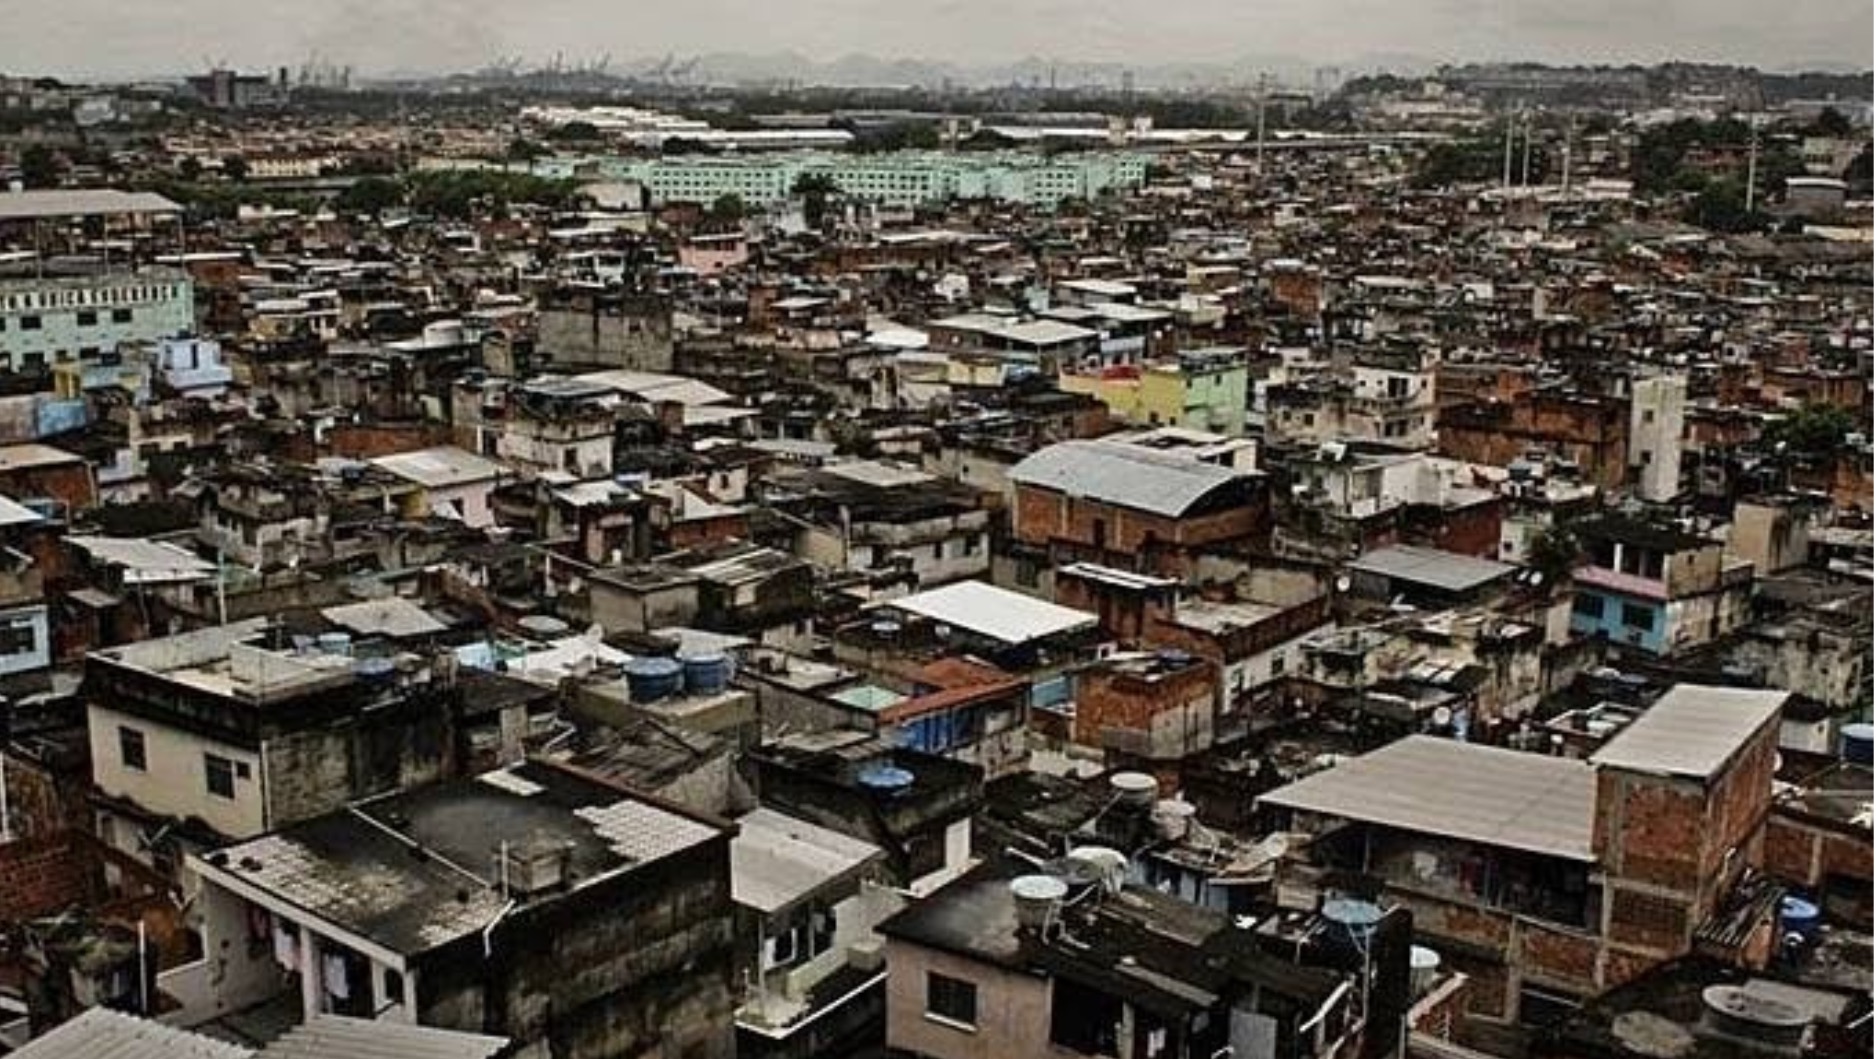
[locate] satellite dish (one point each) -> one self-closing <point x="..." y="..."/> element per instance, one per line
<point x="1537" y="577"/>
<point x="1442" y="716"/>
<point x="1344" y="583"/>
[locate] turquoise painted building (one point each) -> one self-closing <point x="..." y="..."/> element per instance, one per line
<point x="901" y="178"/>
<point x="46" y="321"/>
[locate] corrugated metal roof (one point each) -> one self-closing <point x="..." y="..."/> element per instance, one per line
<point x="1692" y="730"/>
<point x="1430" y="566"/>
<point x="99" y="1033"/>
<point x="1481" y="794"/>
<point x="1009" y="617"/>
<point x="338" y="1037"/>
<point x="776" y="860"/>
<point x="1124" y="475"/>
<point x="26" y="205"/>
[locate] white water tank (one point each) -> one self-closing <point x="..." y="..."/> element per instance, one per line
<point x="1136" y="789"/>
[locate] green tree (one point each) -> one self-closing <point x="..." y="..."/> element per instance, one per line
<point x="1721" y="207"/>
<point x="1831" y="122"/>
<point x="729" y="209"/>
<point x="1815" y="431"/>
<point x="815" y="189"/>
<point x="39" y="167"/>
<point x="1554" y="552"/>
<point x="575" y="132"/>
<point x="523" y="150"/>
<point x="371" y="196"/>
<point x="234" y="167"/>
<point x="190" y="168"/>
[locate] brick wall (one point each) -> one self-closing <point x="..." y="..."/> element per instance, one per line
<point x="1167" y="717"/>
<point x="40" y="876"/>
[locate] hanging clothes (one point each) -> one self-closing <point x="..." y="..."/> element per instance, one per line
<point x="286" y="946"/>
<point x="338" y="982"/>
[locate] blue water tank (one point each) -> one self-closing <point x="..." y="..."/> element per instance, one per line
<point x="706" y="673"/>
<point x="1856" y="739"/>
<point x="889" y="780"/>
<point x="1797" y="916"/>
<point x="654" y="678"/>
<point x="375" y="670"/>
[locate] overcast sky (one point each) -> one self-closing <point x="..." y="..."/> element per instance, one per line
<point x="116" y="37"/>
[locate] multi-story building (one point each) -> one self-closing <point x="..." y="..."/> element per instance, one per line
<point x="1657" y="587"/>
<point x="1549" y="879"/>
<point x="231" y="732"/>
<point x="86" y="318"/>
<point x="562" y="912"/>
<point x="1198" y="389"/>
<point x="900" y="179"/>
<point x="1122" y="503"/>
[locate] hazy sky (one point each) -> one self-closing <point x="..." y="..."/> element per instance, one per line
<point x="123" y="37"/>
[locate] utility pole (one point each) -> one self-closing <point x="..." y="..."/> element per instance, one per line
<point x="1510" y="133"/>
<point x="1528" y="130"/>
<point x="1261" y="81"/>
<point x="1569" y="146"/>
<point x="1752" y="165"/>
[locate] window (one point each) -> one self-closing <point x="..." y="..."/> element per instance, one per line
<point x="221" y="775"/>
<point x="1588" y="606"/>
<point x="87" y="318"/>
<point x="1277" y="664"/>
<point x="1636" y="616"/>
<point x="1648" y="415"/>
<point x="30" y="323"/>
<point x="120" y="316"/>
<point x="130" y="748"/>
<point x="950" y="999"/>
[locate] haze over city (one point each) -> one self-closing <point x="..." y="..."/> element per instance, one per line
<point x="107" y="38"/>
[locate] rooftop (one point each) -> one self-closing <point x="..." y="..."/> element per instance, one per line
<point x="1447" y="571"/>
<point x="1693" y="730"/>
<point x="992" y="612"/>
<point x="81" y="202"/>
<point x="100" y="1033"/>
<point x="439" y="467"/>
<point x="777" y="860"/>
<point x="1125" y="476"/>
<point x="354" y="869"/>
<point x="340" y="1037"/>
<point x="1481" y="794"/>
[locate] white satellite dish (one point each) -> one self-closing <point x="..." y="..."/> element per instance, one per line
<point x="1344" y="583"/>
<point x="1442" y="716"/>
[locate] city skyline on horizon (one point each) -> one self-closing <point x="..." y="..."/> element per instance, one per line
<point x="415" y="37"/>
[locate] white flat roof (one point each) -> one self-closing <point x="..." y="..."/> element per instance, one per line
<point x="444" y="465"/>
<point x="1692" y="730"/>
<point x="1482" y="794"/>
<point x="997" y="613"/>
<point x="776" y="859"/>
